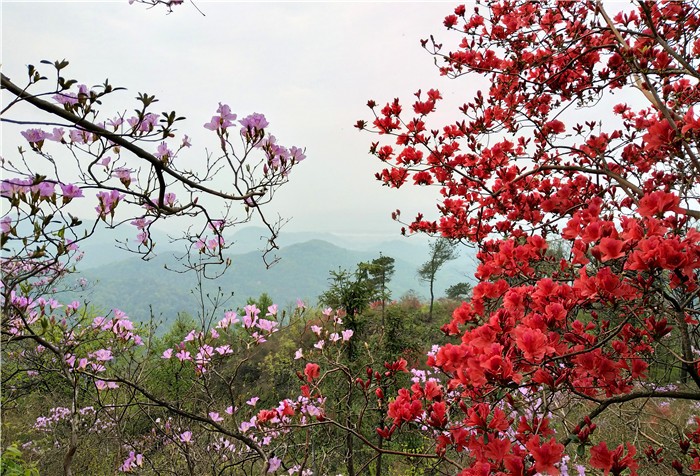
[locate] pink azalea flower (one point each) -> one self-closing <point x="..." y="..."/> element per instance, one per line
<point x="6" y="224"/>
<point x="191" y="336"/>
<point x="275" y="463"/>
<point x="103" y="355"/>
<point x="34" y="136"/>
<point x="167" y="353"/>
<point x="253" y="401"/>
<point x="215" y="417"/>
<point x="224" y="349"/>
<point x="183" y="355"/>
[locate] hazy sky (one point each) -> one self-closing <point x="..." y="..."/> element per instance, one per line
<point x="309" y="67"/>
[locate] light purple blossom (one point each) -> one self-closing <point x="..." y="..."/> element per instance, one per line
<point x="183" y="355"/>
<point x="224" y="349"/>
<point x="275" y="463"/>
<point x="186" y="437"/>
<point x="123" y="174"/>
<point x="108" y="201"/>
<point x="224" y="120"/>
<point x="253" y="124"/>
<point x="296" y="154"/>
<point x="70" y="191"/>
<point x="46" y="189"/>
<point x="65" y="98"/>
<point x="267" y="325"/>
<point x="102" y="355"/>
<point x="34" y="136"/>
<point x="6" y="224"/>
<point x="215" y="417"/>
<point x="163" y="153"/>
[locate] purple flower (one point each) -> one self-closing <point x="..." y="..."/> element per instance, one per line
<point x="140" y="223"/>
<point x="46" y="189"/>
<point x="266" y="325"/>
<point x="65" y="98"/>
<point x="296" y="154"/>
<point x="215" y="417"/>
<point x="123" y="174"/>
<point x="6" y="224"/>
<point x="253" y="124"/>
<point x="102" y="355"/>
<point x="224" y="349"/>
<point x="186" y="437"/>
<point x="115" y="123"/>
<point x="170" y="199"/>
<point x="70" y="192"/>
<point x="167" y="353"/>
<point x="108" y="201"/>
<point x="275" y="463"/>
<point x="57" y="135"/>
<point x="34" y="136"/>
<point x="224" y="120"/>
<point x="163" y="153"/>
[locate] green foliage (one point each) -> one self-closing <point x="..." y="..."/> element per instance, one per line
<point x="459" y="291"/>
<point x="12" y="463"/>
<point x="442" y="250"/>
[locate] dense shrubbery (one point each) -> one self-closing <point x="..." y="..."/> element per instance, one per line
<point x="580" y="357"/>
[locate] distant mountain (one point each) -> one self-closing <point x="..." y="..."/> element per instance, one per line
<point x="133" y="285"/>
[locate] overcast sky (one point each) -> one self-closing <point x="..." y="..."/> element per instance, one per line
<point x="309" y="67"/>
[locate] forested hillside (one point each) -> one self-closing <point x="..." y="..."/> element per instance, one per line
<point x="135" y="286"/>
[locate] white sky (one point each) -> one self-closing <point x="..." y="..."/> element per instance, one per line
<point x="309" y="67"/>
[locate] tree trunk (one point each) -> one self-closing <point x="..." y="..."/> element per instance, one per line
<point x="432" y="297"/>
<point x="73" y="446"/>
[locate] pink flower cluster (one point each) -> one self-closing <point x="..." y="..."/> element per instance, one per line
<point x="205" y="346"/>
<point x="108" y="202"/>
